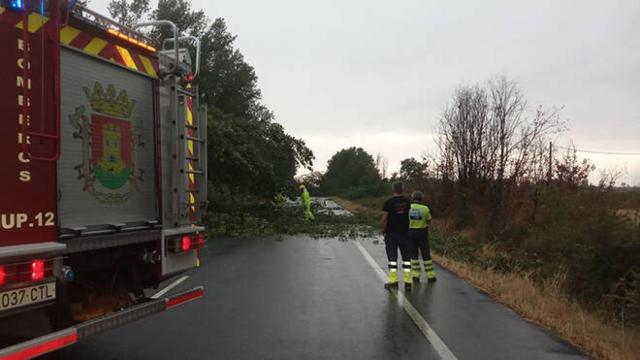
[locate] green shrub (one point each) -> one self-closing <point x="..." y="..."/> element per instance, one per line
<point x="368" y="190"/>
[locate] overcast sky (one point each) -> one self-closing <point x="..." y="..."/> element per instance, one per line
<point x="378" y="74"/>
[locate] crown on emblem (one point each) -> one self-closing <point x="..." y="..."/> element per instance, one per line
<point x="108" y="103"/>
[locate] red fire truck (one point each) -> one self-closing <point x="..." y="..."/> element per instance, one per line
<point x="103" y="147"/>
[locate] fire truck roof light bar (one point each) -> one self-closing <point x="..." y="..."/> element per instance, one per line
<point x="106" y="23"/>
<point x="130" y="39"/>
<point x="175" y="37"/>
<point x="182" y="38"/>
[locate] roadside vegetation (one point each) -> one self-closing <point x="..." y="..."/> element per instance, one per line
<point x="520" y="219"/>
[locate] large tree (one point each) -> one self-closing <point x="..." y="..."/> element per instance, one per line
<point x="486" y="134"/>
<point x="249" y="153"/>
<point x="490" y="144"/>
<point x="412" y="169"/>
<point x="253" y="156"/>
<point x="228" y="81"/>
<point x="350" y="168"/>
<point x="128" y="12"/>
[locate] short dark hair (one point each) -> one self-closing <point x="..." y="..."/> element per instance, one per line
<point x="397" y="187"/>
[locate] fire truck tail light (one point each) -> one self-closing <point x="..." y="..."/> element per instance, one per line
<point x="185" y="243"/>
<point x="34" y="270"/>
<point x="37" y="269"/>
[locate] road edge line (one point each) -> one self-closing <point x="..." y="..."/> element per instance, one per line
<point x="432" y="337"/>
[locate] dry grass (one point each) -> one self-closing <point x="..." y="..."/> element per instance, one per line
<point x="547" y="306"/>
<point x="630" y="214"/>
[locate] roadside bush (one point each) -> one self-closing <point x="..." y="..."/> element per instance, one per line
<point x="454" y="246"/>
<point x="576" y="232"/>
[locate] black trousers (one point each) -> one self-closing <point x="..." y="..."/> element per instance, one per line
<point x="420" y="241"/>
<point x="393" y="242"/>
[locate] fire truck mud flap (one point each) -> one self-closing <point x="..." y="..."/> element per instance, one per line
<point x="58" y="340"/>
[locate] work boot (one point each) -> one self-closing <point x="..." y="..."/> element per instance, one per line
<point x="415" y="270"/>
<point x="428" y="268"/>
<point x="393" y="275"/>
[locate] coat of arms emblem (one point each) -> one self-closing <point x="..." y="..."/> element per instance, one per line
<point x="110" y="145"/>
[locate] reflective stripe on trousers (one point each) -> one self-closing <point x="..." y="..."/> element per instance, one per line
<point x="428" y="265"/>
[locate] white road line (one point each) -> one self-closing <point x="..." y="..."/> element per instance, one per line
<point x="431" y="336"/>
<point x="169" y="287"/>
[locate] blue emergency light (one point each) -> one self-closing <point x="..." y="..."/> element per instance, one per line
<point x="15" y="5"/>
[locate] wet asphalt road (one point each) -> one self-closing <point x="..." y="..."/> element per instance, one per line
<point x="303" y="298"/>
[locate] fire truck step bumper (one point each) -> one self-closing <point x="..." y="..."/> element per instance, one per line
<point x="58" y="340"/>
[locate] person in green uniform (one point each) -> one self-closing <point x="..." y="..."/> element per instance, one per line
<point x="306" y="203"/>
<point x="419" y="220"/>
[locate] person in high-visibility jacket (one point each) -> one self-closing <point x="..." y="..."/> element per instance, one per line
<point x="419" y="221"/>
<point x="306" y="203"/>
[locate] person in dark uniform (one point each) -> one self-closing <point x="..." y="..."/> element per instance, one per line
<point x="395" y="227"/>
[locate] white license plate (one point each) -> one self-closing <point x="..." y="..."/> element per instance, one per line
<point x="26" y="296"/>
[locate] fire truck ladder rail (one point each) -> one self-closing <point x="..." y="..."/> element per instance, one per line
<point x="185" y="92"/>
<point x="190" y="155"/>
<point x="195" y="40"/>
<point x="194" y="139"/>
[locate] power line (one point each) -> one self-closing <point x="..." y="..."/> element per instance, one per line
<point x="597" y="152"/>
